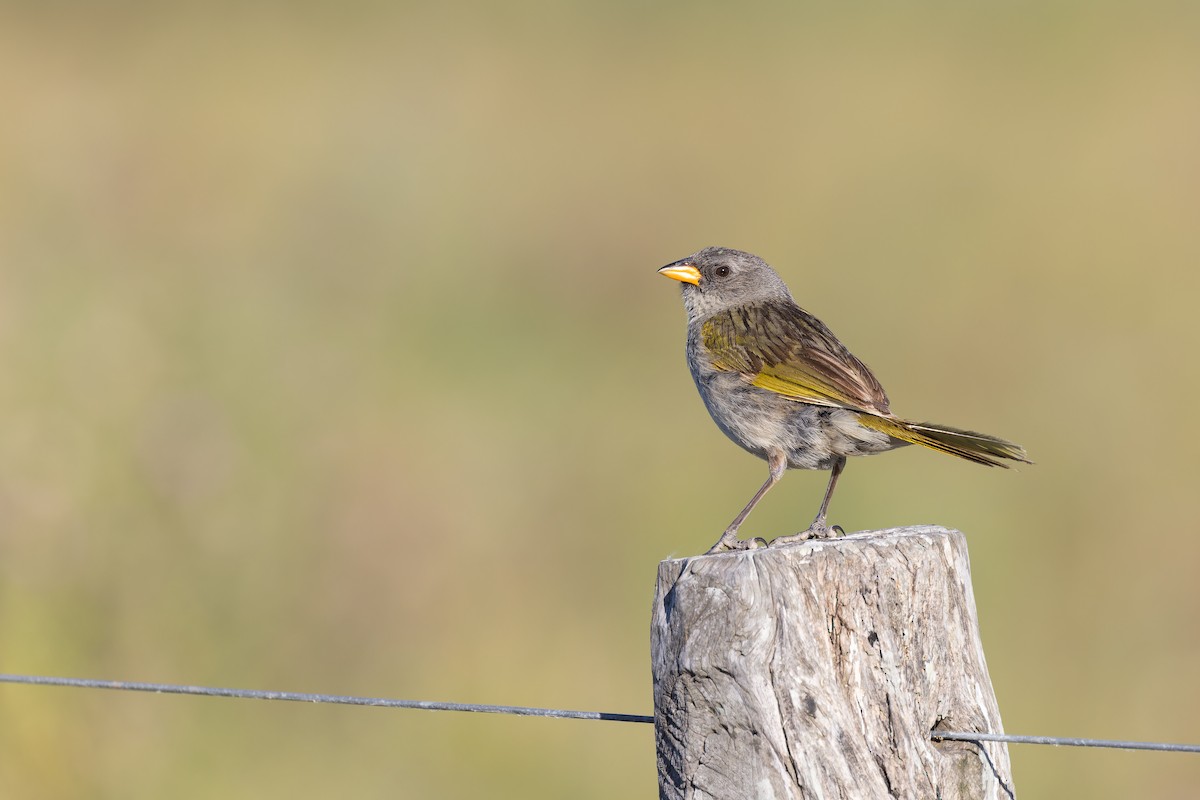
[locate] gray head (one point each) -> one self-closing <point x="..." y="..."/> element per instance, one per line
<point x="718" y="278"/>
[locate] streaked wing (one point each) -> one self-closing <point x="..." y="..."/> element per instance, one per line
<point x="782" y="348"/>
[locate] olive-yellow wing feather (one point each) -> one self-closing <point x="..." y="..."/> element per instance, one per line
<point x="783" y="349"/>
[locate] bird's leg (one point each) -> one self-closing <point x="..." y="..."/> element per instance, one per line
<point x="818" y="524"/>
<point x="818" y="529"/>
<point x="777" y="463"/>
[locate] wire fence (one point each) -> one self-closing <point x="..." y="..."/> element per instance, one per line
<point x="523" y="711"/>
<point x="303" y="697"/>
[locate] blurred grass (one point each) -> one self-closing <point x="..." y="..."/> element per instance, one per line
<point x="335" y="361"/>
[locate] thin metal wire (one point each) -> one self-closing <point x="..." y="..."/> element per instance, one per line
<point x="304" y="697"/>
<point x="1115" y="744"/>
<point x="524" y="711"/>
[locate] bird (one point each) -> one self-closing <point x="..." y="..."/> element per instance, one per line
<point x="778" y="383"/>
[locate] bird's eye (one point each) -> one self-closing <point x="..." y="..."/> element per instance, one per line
<point x="722" y="272"/>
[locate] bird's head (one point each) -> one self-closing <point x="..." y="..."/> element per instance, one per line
<point x="718" y="278"/>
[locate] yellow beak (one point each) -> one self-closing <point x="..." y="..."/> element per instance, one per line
<point x="681" y="271"/>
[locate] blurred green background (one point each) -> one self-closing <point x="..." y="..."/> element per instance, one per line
<point x="335" y="360"/>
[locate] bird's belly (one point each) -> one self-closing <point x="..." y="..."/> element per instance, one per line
<point x="760" y="421"/>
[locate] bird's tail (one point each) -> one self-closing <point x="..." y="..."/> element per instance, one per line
<point x="977" y="447"/>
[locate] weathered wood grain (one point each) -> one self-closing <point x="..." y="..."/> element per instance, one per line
<point x="818" y="670"/>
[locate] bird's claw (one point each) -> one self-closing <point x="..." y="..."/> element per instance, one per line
<point x="814" y="531"/>
<point x="729" y="541"/>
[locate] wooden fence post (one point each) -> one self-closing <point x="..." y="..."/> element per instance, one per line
<point x="818" y="670"/>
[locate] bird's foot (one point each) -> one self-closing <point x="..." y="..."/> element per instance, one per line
<point x="818" y="530"/>
<point x="730" y="541"/>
